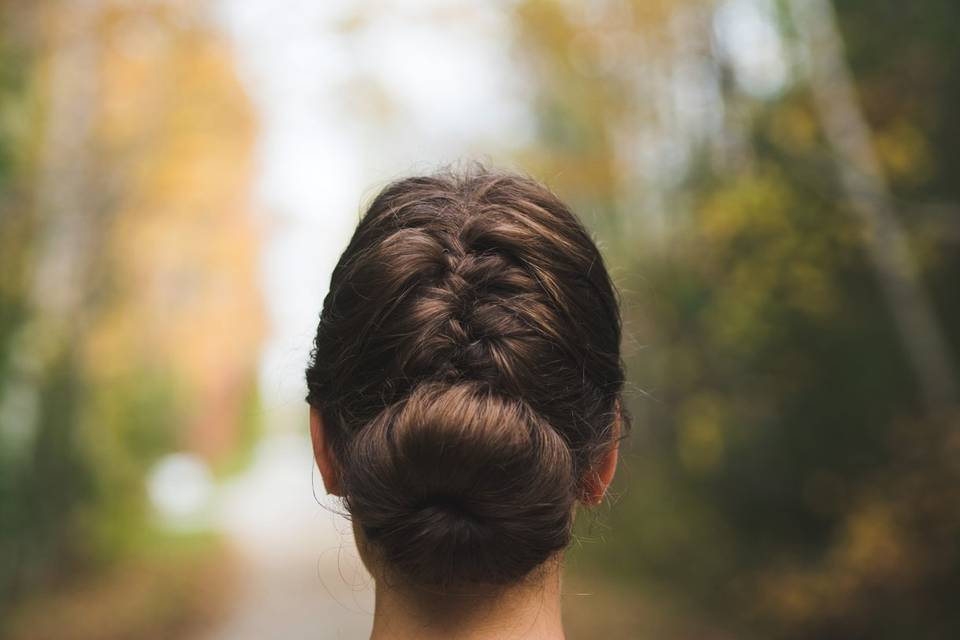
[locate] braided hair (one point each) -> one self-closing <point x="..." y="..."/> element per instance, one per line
<point x="467" y="367"/>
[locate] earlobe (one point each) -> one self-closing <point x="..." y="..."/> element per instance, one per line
<point x="323" y="455"/>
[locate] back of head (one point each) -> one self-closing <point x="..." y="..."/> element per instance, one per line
<point x="467" y="367"/>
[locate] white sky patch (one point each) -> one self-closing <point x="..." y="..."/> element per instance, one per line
<point x="180" y="487"/>
<point x="749" y="38"/>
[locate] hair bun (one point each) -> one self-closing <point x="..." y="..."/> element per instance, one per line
<point x="458" y="484"/>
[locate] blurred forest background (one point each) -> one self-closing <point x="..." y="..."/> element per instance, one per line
<point x="773" y="183"/>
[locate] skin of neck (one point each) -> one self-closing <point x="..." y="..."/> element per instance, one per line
<point x="529" y="610"/>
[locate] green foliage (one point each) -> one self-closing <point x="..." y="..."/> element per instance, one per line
<point x="784" y="474"/>
<point x="127" y="425"/>
<point x="73" y="448"/>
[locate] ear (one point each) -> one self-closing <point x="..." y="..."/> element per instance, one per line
<point x="601" y="475"/>
<point x="323" y="455"/>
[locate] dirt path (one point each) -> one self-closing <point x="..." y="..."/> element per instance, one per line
<point x="301" y="577"/>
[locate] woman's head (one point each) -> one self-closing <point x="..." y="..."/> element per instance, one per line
<point x="467" y="377"/>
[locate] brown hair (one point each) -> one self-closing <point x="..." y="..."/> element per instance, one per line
<point x="467" y="368"/>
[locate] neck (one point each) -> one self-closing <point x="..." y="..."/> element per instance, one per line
<point x="530" y="610"/>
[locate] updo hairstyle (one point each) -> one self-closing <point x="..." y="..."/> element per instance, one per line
<point x="467" y="369"/>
